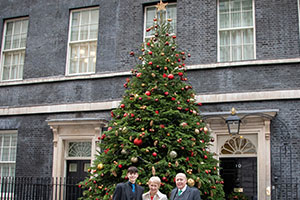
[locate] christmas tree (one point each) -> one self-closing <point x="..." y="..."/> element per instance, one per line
<point x="157" y="126"/>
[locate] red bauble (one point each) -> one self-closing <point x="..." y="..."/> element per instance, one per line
<point x="137" y="141"/>
<point x="157" y="112"/>
<point x="150" y="63"/>
<point x="122" y="105"/>
<point x="180" y="74"/>
<point x="150" y="52"/>
<point x="205" y="156"/>
<point x="154" y="154"/>
<point x="170" y="76"/>
<point x="156" y="100"/>
<point x="166" y="93"/>
<point x="174" y="36"/>
<point x="167" y="43"/>
<point x="120" y="166"/>
<point x="131" y="53"/>
<point x="147" y="93"/>
<point x="173" y="98"/>
<point x="138" y="74"/>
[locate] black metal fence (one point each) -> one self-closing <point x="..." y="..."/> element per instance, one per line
<point x="39" y="188"/>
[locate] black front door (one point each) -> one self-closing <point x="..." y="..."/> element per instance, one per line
<point x="240" y="174"/>
<point x="76" y="172"/>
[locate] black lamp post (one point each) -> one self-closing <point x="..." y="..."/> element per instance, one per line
<point x="233" y="123"/>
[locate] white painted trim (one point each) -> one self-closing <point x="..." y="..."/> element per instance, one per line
<point x="259" y="127"/>
<point x="109" y="105"/>
<point x="128" y="73"/>
<point x="249" y="96"/>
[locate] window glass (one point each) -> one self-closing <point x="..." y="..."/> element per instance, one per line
<point x="8" y="147"/>
<point x="83" y="41"/>
<point x="150" y="13"/>
<point x="80" y="149"/>
<point x="236" y="30"/>
<point x="13" y="52"/>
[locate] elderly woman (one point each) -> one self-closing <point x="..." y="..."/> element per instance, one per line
<point x="154" y="193"/>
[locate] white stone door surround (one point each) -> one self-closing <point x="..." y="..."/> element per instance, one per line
<point x="255" y="127"/>
<point x="66" y="130"/>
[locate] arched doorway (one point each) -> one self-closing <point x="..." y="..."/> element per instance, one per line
<point x="253" y="154"/>
<point x="238" y="162"/>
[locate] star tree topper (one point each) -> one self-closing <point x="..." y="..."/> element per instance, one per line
<point x="161" y="6"/>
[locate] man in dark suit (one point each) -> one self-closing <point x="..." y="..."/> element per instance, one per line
<point x="182" y="191"/>
<point x="129" y="190"/>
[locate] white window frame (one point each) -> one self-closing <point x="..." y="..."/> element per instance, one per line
<point x="298" y="4"/>
<point x="20" y="50"/>
<point x="8" y="132"/>
<point x="232" y="29"/>
<point x="145" y="19"/>
<point x="87" y="41"/>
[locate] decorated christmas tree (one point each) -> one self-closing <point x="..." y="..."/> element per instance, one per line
<point x="157" y="126"/>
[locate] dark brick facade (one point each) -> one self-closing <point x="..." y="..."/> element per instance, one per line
<point x="121" y="30"/>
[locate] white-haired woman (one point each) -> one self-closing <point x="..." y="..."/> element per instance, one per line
<point x="154" y="193"/>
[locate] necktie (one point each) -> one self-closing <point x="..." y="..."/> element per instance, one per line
<point x="133" y="188"/>
<point x="179" y="193"/>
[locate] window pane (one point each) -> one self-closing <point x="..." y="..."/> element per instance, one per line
<point x="236" y="53"/>
<point x="24" y="26"/>
<point x="84" y="32"/>
<point x="224" y="6"/>
<point x="247" y="19"/>
<point x="7" y="43"/>
<point x="94" y="16"/>
<point x="224" y="54"/>
<point x="225" y="38"/>
<point x="79" y="149"/>
<point x="236" y="37"/>
<point x="72" y="167"/>
<point x="224" y="21"/>
<point x="236" y="6"/>
<point x="150" y="14"/>
<point x="236" y="19"/>
<point x="248" y="52"/>
<point x="248" y="36"/>
<point x="247" y="5"/>
<point x="17" y="27"/>
<point x="84" y="17"/>
<point x="171" y="13"/>
<point x="75" y="19"/>
<point x="12" y="154"/>
<point x="9" y="28"/>
<point x="16" y="41"/>
<point x="93" y="31"/>
<point x="74" y="33"/>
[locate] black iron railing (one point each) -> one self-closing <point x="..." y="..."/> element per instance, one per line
<point x="39" y="188"/>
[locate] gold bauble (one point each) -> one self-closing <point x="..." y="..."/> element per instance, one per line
<point x="191" y="182"/>
<point x="100" y="166"/>
<point x="123" y="152"/>
<point x="151" y="123"/>
<point x="197" y="131"/>
<point x="134" y="159"/>
<point x="199" y="185"/>
<point x="205" y="129"/>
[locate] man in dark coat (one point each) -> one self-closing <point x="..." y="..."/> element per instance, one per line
<point x="129" y="190"/>
<point x="183" y="191"/>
